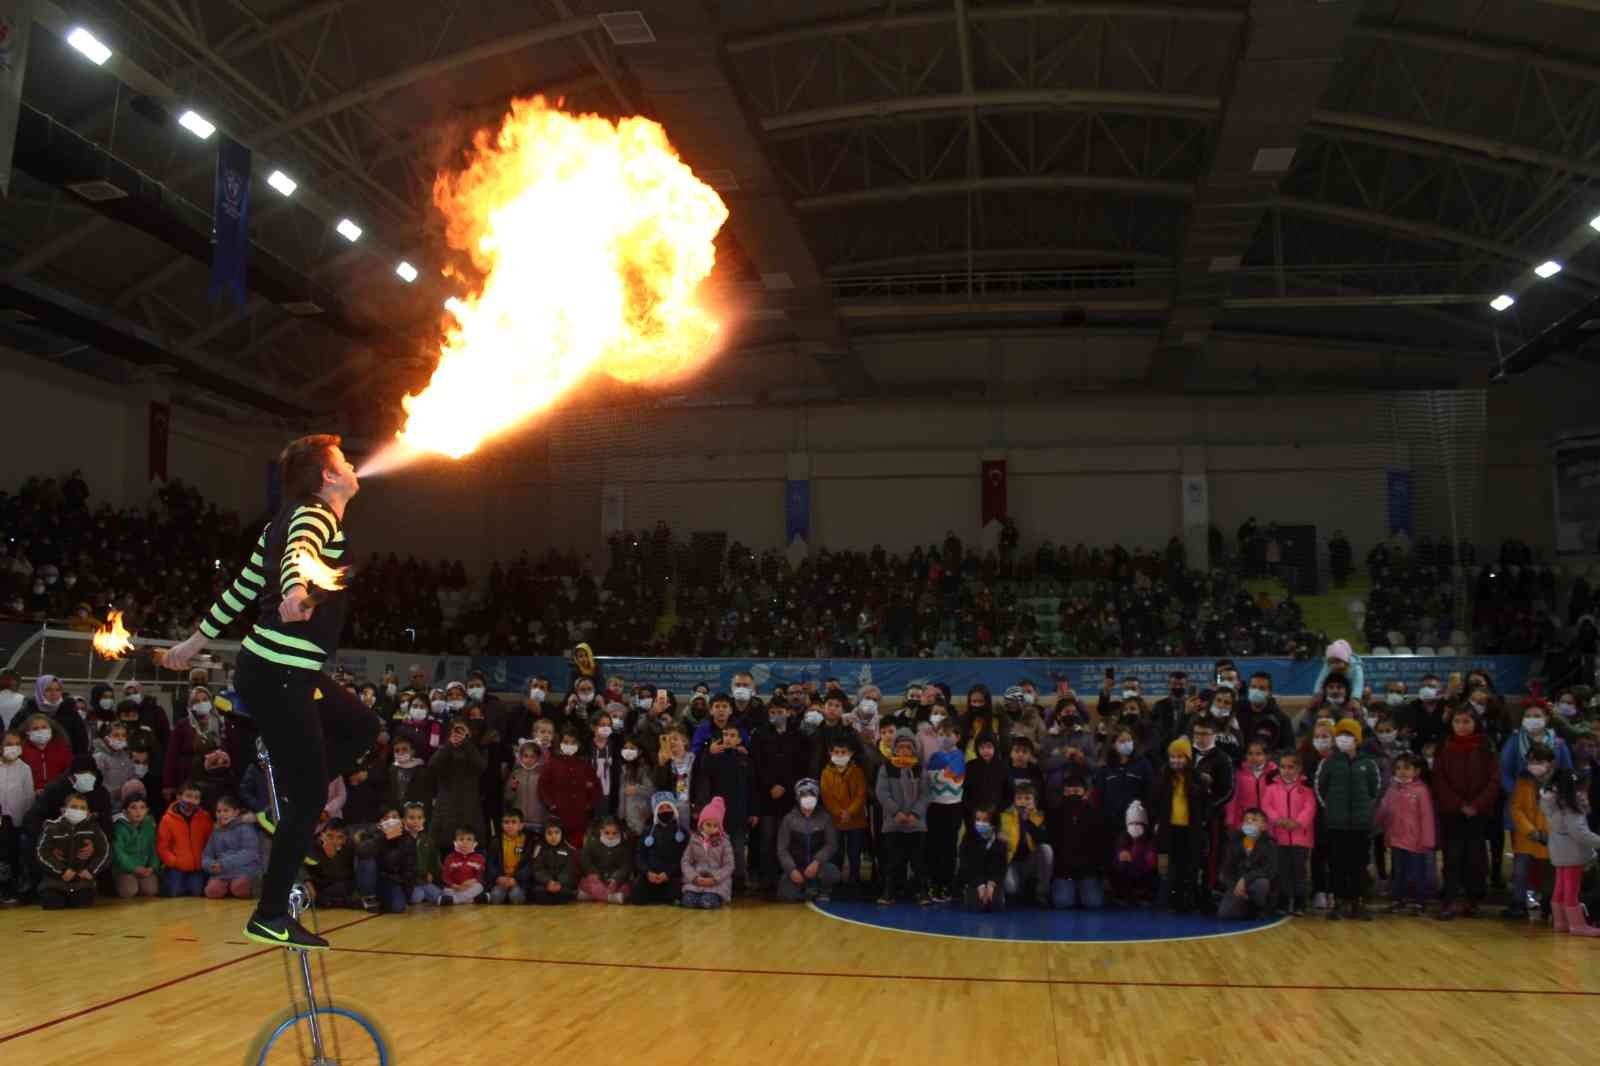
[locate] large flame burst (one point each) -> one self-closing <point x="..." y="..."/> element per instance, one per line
<point x="112" y="640"/>
<point x="592" y="239"/>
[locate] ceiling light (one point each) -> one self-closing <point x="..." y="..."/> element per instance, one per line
<point x="89" y="45"/>
<point x="1548" y="269"/>
<point x="1594" y="223"/>
<point x="348" y="230"/>
<point x="453" y="305"/>
<point x="282" y="182"/>
<point x="1503" y="301"/>
<point x="196" y="125"/>
<point x="407" y="272"/>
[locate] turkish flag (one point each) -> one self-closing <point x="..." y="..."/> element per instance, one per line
<point x="994" y="490"/>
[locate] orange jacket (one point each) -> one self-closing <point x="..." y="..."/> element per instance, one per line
<point x="180" y="841"/>
<point x="1527" y="818"/>
<point x="844" y="794"/>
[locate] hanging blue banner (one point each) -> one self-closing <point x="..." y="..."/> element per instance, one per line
<point x="230" y="219"/>
<point x="797" y="511"/>
<point x="1399" y="491"/>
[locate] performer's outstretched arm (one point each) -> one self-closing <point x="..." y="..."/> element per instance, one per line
<point x="233" y="601"/>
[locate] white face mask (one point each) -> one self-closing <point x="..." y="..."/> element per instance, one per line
<point x="437" y="706"/>
<point x="604" y="732"/>
<point x="417" y="714"/>
<point x="116" y="743"/>
<point x="1322" y="743"/>
<point x="391" y="689"/>
<point x="1345" y="741"/>
<point x="1427" y="692"/>
<point x="1220" y="712"/>
<point x="629" y="754"/>
<point x="106" y="703"/>
<point x="935" y="719"/>
<point x="1030" y="698"/>
<point x="1336" y="701"/>
<point x="841" y="761"/>
<point x="1533" y="724"/>
<point x="40" y="737"/>
<point x="1258" y="697"/>
<point x="1567" y="708"/>
<point x="643" y="703"/>
<point x="742" y="692"/>
<point x="455" y="705"/>
<point x="813" y="718"/>
<point x="1229" y="685"/>
<point x="389" y="825"/>
<point x="585" y="697"/>
<point x="74" y="815"/>
<point x="536" y="695"/>
<point x="808" y="803"/>
<point x="610" y="841"/>
<point x="569" y="749"/>
<point x="1136" y="830"/>
<point x="201" y="709"/>
<point x="1370" y="719"/>
<point x="1386" y="739"/>
<point x="1124" y="747"/>
<point x="83" y="782"/>
<point x="140" y="769"/>
<point x="867" y="708"/>
<point x="1207" y="746"/>
<point x="475" y="692"/>
<point x="1127" y="694"/>
<point x="12" y="752"/>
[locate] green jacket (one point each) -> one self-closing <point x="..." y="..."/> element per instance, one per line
<point x="1347" y="789"/>
<point x="134" y="846"/>
<point x="428" y="860"/>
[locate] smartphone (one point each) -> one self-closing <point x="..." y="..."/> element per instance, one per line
<point x="661" y="693"/>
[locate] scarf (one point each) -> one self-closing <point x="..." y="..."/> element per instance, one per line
<point x="903" y="762"/>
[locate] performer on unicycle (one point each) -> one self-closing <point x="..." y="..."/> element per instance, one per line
<point x="313" y="729"/>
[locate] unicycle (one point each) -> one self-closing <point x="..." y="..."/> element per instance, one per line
<point x="311" y="1031"/>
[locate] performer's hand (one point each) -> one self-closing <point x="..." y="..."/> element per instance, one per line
<point x="178" y="656"/>
<point x="295" y="606"/>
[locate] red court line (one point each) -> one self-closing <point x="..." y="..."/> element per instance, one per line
<point x="1086" y="982"/>
<point x="158" y="987"/>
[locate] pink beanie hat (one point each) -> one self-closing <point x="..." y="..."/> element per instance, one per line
<point x="712" y="811"/>
<point x="131" y="788"/>
<point x="1339" y="649"/>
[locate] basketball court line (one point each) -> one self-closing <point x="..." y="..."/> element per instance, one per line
<point x="1242" y="931"/>
<point x="141" y="992"/>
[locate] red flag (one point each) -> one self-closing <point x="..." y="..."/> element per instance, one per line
<point x="994" y="490"/>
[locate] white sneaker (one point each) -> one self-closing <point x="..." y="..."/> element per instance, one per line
<point x="615" y="897"/>
<point x="1319" y="901"/>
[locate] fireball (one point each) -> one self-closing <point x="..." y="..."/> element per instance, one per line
<point x="314" y="573"/>
<point x="112" y="640"/>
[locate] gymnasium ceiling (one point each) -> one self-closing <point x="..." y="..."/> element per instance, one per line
<point x="1190" y="180"/>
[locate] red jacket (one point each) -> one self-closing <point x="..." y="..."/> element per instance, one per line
<point x="1466" y="771"/>
<point x="569" y="789"/>
<point x="1249" y="791"/>
<point x="48" y="762"/>
<point x="459" y="868"/>
<point x="1297" y="801"/>
<point x="180" y="841"/>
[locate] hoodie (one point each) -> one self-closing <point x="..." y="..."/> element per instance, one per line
<point x="59" y="844"/>
<point x="133" y="847"/>
<point x="661" y="849"/>
<point x="904" y="790"/>
<point x="116" y="769"/>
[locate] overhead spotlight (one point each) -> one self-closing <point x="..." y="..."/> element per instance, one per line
<point x="89" y="45"/>
<point x="348" y="230"/>
<point x="407" y="272"/>
<point x="1503" y="301"/>
<point x="196" y="125"/>
<point x="1594" y="223"/>
<point x="1548" y="269"/>
<point x="282" y="182"/>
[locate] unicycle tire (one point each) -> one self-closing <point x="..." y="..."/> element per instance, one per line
<point x="360" y="1040"/>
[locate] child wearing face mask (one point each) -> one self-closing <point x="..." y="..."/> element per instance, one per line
<point x="1132" y="878"/>
<point x="72" y="850"/>
<point x="1572" y="847"/>
<point x="1250" y="783"/>
<point x="114" y="762"/>
<point x="464" y="869"/>
<point x="844" y="797"/>
<point x="456" y="774"/>
<point x="569" y="789"/>
<point x="1466" y="790"/>
<point x="83" y="778"/>
<point x="181" y="843"/>
<point x="1122" y="781"/>
<point x="507" y="861"/>
<point x="16" y="779"/>
<point x="946" y="773"/>
<point x="552" y="873"/>
<point x="522" y="782"/>
<point x="1291" y="810"/>
<point x="1079" y="848"/>
<point x="707" y="863"/>
<point x="1341" y="661"/>
<point x="1347" y="786"/>
<point x="134" y="862"/>
<point x="1530" y="829"/>
<point x="429" y="870"/>
<point x="46" y="753"/>
<point x="1316" y="747"/>
<point x="635" y="784"/>
<point x="235" y="855"/>
<point x="390" y="871"/>
<point x="659" y="860"/>
<point x="201" y="748"/>
<point x="1178" y="804"/>
<point x="1213" y="770"/>
<point x="404" y="778"/>
<point x="1406" y="816"/>
<point x="807" y="843"/>
<point x="606" y="864"/>
<point x="981" y="873"/>
<point x="418" y="723"/>
<point x="903" y="792"/>
<point x="926" y="728"/>
<point x="1248" y="869"/>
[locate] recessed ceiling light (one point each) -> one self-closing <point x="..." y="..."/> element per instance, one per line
<point x="89" y="45"/>
<point x="407" y="272"/>
<point x="348" y="230"/>
<point x="1548" y="269"/>
<point x="282" y="182"/>
<point x="196" y="125"/>
<point x="1503" y="301"/>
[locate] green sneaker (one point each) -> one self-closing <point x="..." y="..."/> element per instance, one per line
<point x="282" y="932"/>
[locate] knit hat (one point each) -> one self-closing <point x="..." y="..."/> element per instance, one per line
<point x="131" y="790"/>
<point x="1181" y="746"/>
<point x="659" y="802"/>
<point x="807" y="786"/>
<point x="712" y="812"/>
<point x="1136" y="814"/>
<point x="1339" y="649"/>
<point x="1348" y="726"/>
<point x="904" y="736"/>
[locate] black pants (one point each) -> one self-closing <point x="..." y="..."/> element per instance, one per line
<point x="1464" y="865"/>
<point x="311" y="741"/>
<point x="1348" y="862"/>
<point x="1182" y="873"/>
<point x="57" y="895"/>
<point x="944" y="833"/>
<point x="902" y="850"/>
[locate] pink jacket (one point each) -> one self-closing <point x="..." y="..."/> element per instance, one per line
<point x="1249" y="791"/>
<point x="1405" y="813"/>
<point x="1283" y="800"/>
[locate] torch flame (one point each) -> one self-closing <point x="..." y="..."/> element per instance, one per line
<point x="112" y="640"/>
<point x="314" y="572"/>
<point x="592" y="238"/>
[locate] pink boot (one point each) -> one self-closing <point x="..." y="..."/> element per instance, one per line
<point x="1578" y="924"/>
<point x="1558" y="919"/>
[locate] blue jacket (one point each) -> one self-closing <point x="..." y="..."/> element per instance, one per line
<point x="494" y="860"/>
<point x="702" y="734"/>
<point x="1356" y="675"/>
<point x="238" y="847"/>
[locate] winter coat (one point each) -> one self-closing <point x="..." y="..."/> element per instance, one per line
<point x="459" y="869"/>
<point x="1214" y="770"/>
<point x="1527" y="818"/>
<point x="1572" y="842"/>
<point x="49" y="803"/>
<point x="494" y="865"/>
<point x="59" y="844"/>
<point x="1282" y="800"/>
<point x="427" y="858"/>
<point x="1347" y="788"/>
<point x="1258" y="862"/>
<point x="903" y="790"/>
<point x="116" y="770"/>
<point x="239" y="847"/>
<point x="181" y="840"/>
<point x="729" y="774"/>
<point x="981" y="861"/>
<point x="1160" y="805"/>
<point x="397" y="859"/>
<point x="806" y="838"/>
<point x="522" y="791"/>
<point x="1405" y="814"/>
<point x="1023" y="836"/>
<point x="608" y="864"/>
<point x="660" y="851"/>
<point x="633" y="807"/>
<point x="569" y="790"/>
<point x="16" y="790"/>
<point x="558" y="864"/>
<point x="1465" y="773"/>
<point x="844" y="795"/>
<point x="702" y="856"/>
<point x="1078" y="835"/>
<point x="50" y="761"/>
<point x="133" y="847"/>
<point x="455" y="773"/>
<point x="1249" y="789"/>
<point x="1513" y="762"/>
<point x="780" y="759"/>
<point x="1117" y="784"/>
<point x="988" y="784"/>
<point x="826" y="736"/>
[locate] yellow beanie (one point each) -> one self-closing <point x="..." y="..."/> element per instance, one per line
<point x="1350" y="726"/>
<point x="1181" y="746"/>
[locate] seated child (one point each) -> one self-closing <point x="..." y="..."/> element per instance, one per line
<point x="331" y="882"/>
<point x="506" y="865"/>
<point x="1248" y="869"/>
<point x="133" y="851"/>
<point x="464" y="869"/>
<point x="1078" y="838"/>
<point x="430" y="873"/>
<point x="807" y="841"/>
<point x="552" y="878"/>
<point x="660" y="854"/>
<point x="72" y="851"/>
<point x="981" y="868"/>
<point x="1133" y="879"/>
<point x="1028" y="843"/>
<point x="393" y="863"/>
<point x="606" y="864"/>
<point x="708" y="862"/>
<point x="233" y="859"/>
<point x="181" y="844"/>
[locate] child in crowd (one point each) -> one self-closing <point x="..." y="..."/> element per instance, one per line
<point x="844" y="796"/>
<point x="807" y="843"/>
<point x="1572" y="847"/>
<point x="946" y="780"/>
<point x="1248" y="869"/>
<point x="181" y="843"/>
<point x="1025" y="766"/>
<point x="1250" y="782"/>
<point x="456" y="774"/>
<point x="708" y="861"/>
<point x="1291" y="809"/>
<point x="660" y="855"/>
<point x="47" y="753"/>
<point x="1123" y="779"/>
<point x="331" y="881"/>
<point x="1466" y="787"/>
<point x="552" y="873"/>
<point x="606" y="864"/>
<point x="16" y="800"/>
<point x="233" y="859"/>
<point x="1347" y="789"/>
<point x="903" y="795"/>
<point x="506" y="864"/>
<point x="988" y="782"/>
<point x="1214" y="772"/>
<point x="72" y="851"/>
<point x="1078" y="838"/>
<point x="394" y="857"/>
<point x="1027" y="837"/>
<point x="405" y="779"/>
<point x="1405" y="814"/>
<point x="1318" y="746"/>
<point x="522" y="782"/>
<point x="115" y="763"/>
<point x="1178" y="806"/>
<point x="1530" y="832"/>
<point x="725" y="771"/>
<point x="429" y="871"/>
<point x="1134" y="860"/>
<point x="981" y="875"/>
<point x="464" y="869"/>
<point x="134" y="864"/>
<point x="569" y="789"/>
<point x="636" y="785"/>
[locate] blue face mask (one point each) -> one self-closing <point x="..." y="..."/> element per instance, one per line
<point x="984" y="829"/>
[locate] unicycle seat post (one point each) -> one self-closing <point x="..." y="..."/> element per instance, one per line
<point x="297" y="896"/>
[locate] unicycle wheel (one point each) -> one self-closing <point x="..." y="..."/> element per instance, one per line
<point x="349" y="1038"/>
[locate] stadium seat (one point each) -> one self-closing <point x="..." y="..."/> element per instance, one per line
<point x="1458" y="638"/>
<point x="1396" y="637"/>
<point x="1380" y="652"/>
<point x="1403" y="650"/>
<point x="1447" y="652"/>
<point x="1426" y="651"/>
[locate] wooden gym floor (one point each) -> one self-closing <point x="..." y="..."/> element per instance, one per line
<point x="173" y="981"/>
